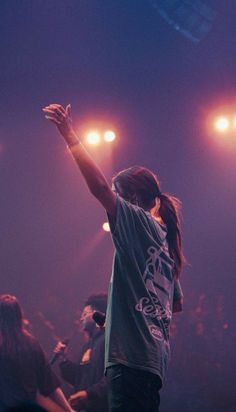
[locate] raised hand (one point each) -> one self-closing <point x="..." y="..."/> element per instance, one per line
<point x="60" y="347"/>
<point x="91" y="172"/>
<point x="61" y="117"/>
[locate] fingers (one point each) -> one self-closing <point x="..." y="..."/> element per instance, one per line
<point x="52" y="119"/>
<point x="56" y="107"/>
<point x="74" y="396"/>
<point x="73" y="400"/>
<point x="55" y="113"/>
<point x="68" y="110"/>
<point x="59" y="347"/>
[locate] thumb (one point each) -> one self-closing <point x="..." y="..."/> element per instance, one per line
<point x="68" y="110"/>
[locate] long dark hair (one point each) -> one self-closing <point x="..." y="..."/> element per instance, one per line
<point x="14" y="338"/>
<point x="141" y="186"/>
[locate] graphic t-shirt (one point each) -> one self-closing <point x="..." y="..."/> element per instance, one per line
<point x="141" y="293"/>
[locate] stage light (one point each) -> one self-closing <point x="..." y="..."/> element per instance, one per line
<point x="222" y="124"/>
<point x="109" y="136"/>
<point x="93" y="138"/>
<point x="106" y="227"/>
<point x="234" y="122"/>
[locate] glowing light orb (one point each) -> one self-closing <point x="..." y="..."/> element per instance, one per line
<point x="222" y="124"/>
<point x="109" y="136"/>
<point x="93" y="138"/>
<point x="106" y="227"/>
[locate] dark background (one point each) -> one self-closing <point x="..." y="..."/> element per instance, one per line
<point x="121" y="66"/>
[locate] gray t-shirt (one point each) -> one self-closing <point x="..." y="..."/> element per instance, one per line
<point x="141" y="293"/>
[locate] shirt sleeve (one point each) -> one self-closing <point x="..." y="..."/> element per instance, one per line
<point x="69" y="371"/>
<point x="97" y="392"/>
<point x="124" y="229"/>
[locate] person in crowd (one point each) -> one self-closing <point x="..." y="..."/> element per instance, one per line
<point x="87" y="375"/>
<point x="25" y="374"/>
<point x="145" y="288"/>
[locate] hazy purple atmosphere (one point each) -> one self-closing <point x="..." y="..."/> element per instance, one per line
<point x="121" y="66"/>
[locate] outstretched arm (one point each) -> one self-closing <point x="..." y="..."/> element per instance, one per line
<point x="58" y="397"/>
<point x="55" y="402"/>
<point x="92" y="174"/>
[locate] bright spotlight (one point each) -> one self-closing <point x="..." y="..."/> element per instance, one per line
<point x="106" y="227"/>
<point x="234" y="122"/>
<point x="109" y="136"/>
<point x="222" y="124"/>
<point x="93" y="138"/>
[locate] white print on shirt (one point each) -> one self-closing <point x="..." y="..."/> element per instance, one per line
<point x="157" y="277"/>
<point x="153" y="308"/>
<point x="156" y="332"/>
<point x="158" y="263"/>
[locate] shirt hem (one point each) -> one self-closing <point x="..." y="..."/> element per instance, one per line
<point x="113" y="362"/>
